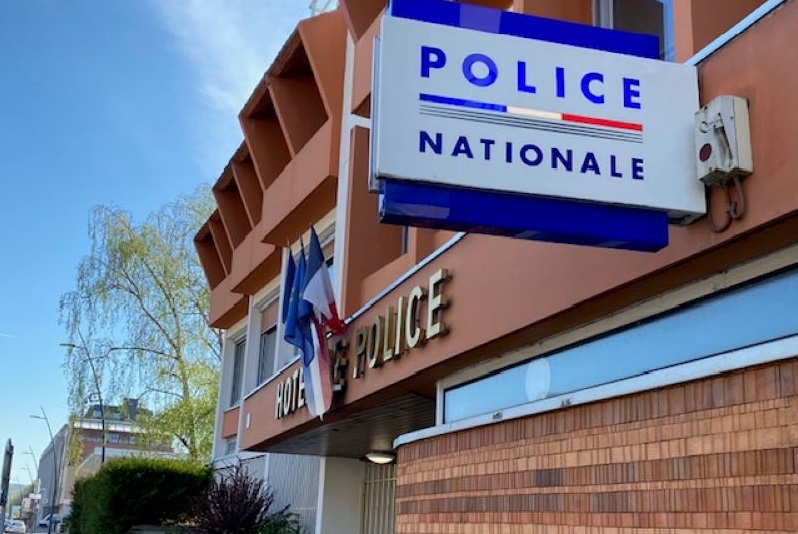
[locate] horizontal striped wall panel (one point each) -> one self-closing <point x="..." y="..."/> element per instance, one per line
<point x="715" y="455"/>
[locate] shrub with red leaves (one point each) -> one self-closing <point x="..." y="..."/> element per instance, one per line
<point x="239" y="504"/>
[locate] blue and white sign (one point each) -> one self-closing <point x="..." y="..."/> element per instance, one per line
<point x="475" y="109"/>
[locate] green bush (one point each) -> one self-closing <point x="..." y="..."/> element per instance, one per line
<point x="283" y="522"/>
<point x="135" y="491"/>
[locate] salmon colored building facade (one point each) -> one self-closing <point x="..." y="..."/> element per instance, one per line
<point x="522" y="386"/>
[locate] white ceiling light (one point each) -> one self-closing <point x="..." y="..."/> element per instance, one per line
<point x="380" y="457"/>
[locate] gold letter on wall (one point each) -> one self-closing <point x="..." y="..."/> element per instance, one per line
<point x="414" y="332"/>
<point x="437" y="302"/>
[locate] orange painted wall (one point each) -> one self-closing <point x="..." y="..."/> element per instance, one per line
<point x="361" y="82"/>
<point x="254" y="263"/>
<point x="227" y="306"/>
<point x="263" y="422"/>
<point x="699" y="22"/>
<point x="300" y="179"/>
<point x="230" y="422"/>
<point x="580" y="11"/>
<point x="716" y="455"/>
<point x="370" y="245"/>
<point x="359" y="14"/>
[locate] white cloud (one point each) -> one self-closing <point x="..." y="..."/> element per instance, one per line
<point x="229" y="45"/>
<point x="7" y="335"/>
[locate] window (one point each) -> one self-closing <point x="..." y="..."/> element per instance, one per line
<point x="331" y="266"/>
<point x="752" y="314"/>
<point x="268" y="343"/>
<point x="238" y="372"/>
<point x="328" y="250"/>
<point x="652" y="17"/>
<point x="113" y="437"/>
<point x="267" y="350"/>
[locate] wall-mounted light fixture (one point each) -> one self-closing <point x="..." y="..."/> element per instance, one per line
<point x="378" y="457"/>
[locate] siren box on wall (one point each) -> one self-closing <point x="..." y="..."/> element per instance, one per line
<point x="723" y="140"/>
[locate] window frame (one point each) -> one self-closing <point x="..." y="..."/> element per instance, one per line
<point x="604" y="17"/>
<point x="642" y="311"/>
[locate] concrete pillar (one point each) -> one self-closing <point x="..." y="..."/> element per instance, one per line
<point x="340" y="487"/>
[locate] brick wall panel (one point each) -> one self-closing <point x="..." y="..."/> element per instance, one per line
<point x="718" y="455"/>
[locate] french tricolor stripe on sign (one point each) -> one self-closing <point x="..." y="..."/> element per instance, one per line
<point x="475" y="110"/>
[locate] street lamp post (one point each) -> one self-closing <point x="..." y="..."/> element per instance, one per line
<point x="55" y="468"/>
<point x="30" y="453"/>
<point x="30" y="474"/>
<point x="88" y="358"/>
<point x="35" y="490"/>
<point x="34" y="502"/>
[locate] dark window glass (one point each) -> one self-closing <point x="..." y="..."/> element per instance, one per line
<point x="651" y="17"/>
<point x="266" y="354"/>
<point x="238" y="372"/>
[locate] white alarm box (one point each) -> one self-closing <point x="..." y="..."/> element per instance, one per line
<point x="723" y="140"/>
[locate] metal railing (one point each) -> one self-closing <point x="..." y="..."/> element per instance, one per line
<point x="379" y="492"/>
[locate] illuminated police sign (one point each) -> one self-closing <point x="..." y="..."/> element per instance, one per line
<point x="478" y="109"/>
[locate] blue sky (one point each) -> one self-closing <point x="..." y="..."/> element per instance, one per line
<point x="125" y="102"/>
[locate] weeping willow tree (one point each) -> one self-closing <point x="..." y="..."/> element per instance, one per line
<point x="137" y="323"/>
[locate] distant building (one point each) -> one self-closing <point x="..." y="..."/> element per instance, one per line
<point x="122" y="439"/>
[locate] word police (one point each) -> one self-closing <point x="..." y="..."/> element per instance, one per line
<point x="404" y="327"/>
<point x="483" y="71"/>
<point x="416" y="318"/>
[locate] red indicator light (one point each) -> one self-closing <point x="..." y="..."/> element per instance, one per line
<point x="705" y="152"/>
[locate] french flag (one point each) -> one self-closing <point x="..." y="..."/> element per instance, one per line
<point x="320" y="310"/>
<point x="318" y="289"/>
